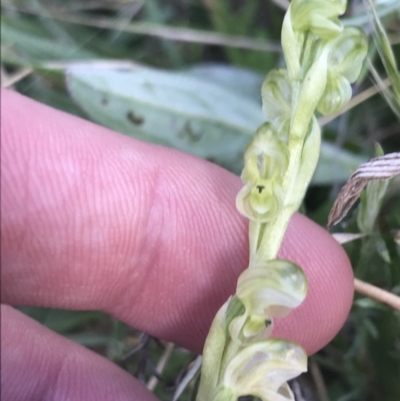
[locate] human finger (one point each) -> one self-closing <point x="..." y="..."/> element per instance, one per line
<point x="37" y="364"/>
<point x="96" y="220"/>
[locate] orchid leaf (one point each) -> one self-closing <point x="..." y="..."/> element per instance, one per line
<point x="207" y="117"/>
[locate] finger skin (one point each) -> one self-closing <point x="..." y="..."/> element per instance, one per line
<point x="37" y="364"/>
<point x="96" y="220"/>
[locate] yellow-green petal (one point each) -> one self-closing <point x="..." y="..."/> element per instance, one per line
<point x="262" y="369"/>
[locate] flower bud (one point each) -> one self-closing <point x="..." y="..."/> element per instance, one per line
<point x="344" y="66"/>
<point x="337" y="94"/>
<point x="348" y="53"/>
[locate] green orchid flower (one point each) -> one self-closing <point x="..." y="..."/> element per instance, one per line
<point x="262" y="369"/>
<point x="267" y="290"/>
<point x="266" y="159"/>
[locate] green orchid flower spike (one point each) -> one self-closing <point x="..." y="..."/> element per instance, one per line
<point x="323" y="59"/>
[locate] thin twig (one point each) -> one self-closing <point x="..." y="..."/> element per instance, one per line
<point x="355" y="101"/>
<point x="318" y="381"/>
<point x="377" y="294"/>
<point x="169" y="33"/>
<point x="153" y="381"/>
<point x="15" y="78"/>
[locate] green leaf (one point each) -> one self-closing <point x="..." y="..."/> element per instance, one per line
<point x="185" y="110"/>
<point x="170" y="108"/>
<point x="335" y="164"/>
<point x="240" y="80"/>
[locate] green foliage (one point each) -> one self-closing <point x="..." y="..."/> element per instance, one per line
<point x="238" y="18"/>
<point x="388" y="59"/>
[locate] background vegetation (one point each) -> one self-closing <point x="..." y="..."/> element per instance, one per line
<point x="41" y="43"/>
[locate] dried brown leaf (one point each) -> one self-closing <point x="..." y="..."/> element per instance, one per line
<point x="344" y="238"/>
<point x="379" y="168"/>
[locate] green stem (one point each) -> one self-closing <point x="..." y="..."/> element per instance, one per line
<point x="272" y="239"/>
<point x="254" y="239"/>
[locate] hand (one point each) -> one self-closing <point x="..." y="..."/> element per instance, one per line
<point x="92" y="219"/>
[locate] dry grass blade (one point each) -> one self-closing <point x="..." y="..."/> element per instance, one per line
<point x="377" y="294"/>
<point x="152" y="383"/>
<point x="344" y="238"/>
<point x="7" y="81"/>
<point x="318" y="379"/>
<point x="379" y="168"/>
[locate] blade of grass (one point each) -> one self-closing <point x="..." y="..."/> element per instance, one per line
<point x="383" y="9"/>
<point x="388" y="59"/>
